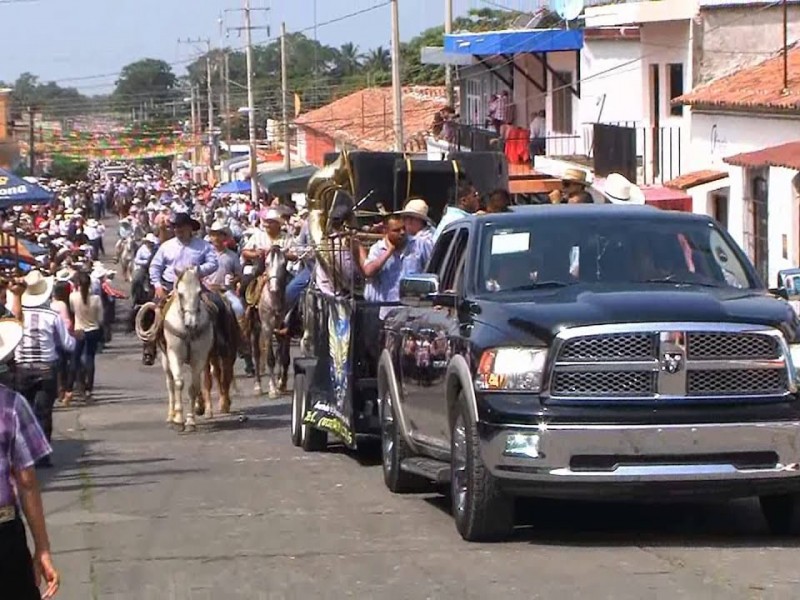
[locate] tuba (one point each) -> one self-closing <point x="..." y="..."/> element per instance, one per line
<point x="322" y="190"/>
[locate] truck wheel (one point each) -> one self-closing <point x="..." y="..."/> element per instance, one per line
<point x="481" y="511"/>
<point x="298" y="404"/>
<point x="394" y="450"/>
<point x="311" y="438"/>
<point x="779" y="512"/>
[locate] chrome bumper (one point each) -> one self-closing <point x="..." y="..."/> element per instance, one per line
<point x="654" y="453"/>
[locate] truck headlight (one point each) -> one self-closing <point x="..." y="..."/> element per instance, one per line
<point x="511" y="369"/>
<point x="794" y="352"/>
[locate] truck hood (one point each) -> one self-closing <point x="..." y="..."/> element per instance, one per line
<point x="540" y="314"/>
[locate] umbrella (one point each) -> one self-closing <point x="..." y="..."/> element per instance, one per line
<point x="234" y="187"/>
<point x="15" y="190"/>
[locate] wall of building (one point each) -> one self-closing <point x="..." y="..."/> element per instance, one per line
<point x="725" y="32"/>
<point x="715" y="136"/>
<point x="314" y="146"/>
<point x="783" y="221"/>
<point x="612" y="77"/>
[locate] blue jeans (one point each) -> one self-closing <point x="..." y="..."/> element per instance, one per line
<point x="297" y="286"/>
<point x="83" y="358"/>
<point x="236" y="303"/>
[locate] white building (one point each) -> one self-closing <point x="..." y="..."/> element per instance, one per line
<point x="746" y="128"/>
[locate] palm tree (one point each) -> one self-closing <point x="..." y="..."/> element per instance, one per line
<point x="348" y="60"/>
<point x="378" y="60"/>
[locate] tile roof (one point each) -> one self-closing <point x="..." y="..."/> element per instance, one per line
<point x="785" y="155"/>
<point x="756" y="87"/>
<point x="695" y="178"/>
<point x="365" y="118"/>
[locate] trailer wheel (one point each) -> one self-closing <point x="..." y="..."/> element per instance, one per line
<point x="298" y="408"/>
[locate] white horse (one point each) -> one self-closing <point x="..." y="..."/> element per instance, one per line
<point x="126" y="253"/>
<point x="271" y="312"/>
<point x="189" y="339"/>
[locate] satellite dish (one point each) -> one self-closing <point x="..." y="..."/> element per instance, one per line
<point x="569" y="10"/>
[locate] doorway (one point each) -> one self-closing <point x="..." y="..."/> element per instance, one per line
<point x="719" y="207"/>
<point x="757" y="221"/>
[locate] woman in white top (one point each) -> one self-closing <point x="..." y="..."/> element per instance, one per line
<point x="88" y="311"/>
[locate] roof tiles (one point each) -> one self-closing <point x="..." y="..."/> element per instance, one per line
<point x="365" y="118"/>
<point x="695" y="178"/>
<point x="785" y="155"/>
<point x="753" y="88"/>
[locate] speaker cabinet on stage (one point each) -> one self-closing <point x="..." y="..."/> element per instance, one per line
<point x="487" y="171"/>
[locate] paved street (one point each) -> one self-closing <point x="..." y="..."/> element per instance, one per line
<point x="139" y="512"/>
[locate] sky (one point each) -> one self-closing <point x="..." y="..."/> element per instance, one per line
<point x="72" y="42"/>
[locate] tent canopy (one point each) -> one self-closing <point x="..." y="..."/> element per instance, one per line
<point x="15" y="190"/>
<point x="279" y="183"/>
<point x="234" y="187"/>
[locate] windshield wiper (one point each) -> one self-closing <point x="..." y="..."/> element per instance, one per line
<point x="536" y="285"/>
<point x="678" y="282"/>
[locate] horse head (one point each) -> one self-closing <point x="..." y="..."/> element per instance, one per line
<point x="187" y="290"/>
<point x="275" y="270"/>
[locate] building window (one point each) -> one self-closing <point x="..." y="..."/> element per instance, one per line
<point x="675" y="87"/>
<point x="562" y="103"/>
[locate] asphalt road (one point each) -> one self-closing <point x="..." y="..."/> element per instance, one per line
<point x="137" y="511"/>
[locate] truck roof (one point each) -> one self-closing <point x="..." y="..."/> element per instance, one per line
<point x="593" y="211"/>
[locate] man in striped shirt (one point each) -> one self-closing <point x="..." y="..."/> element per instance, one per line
<point x="36" y="357"/>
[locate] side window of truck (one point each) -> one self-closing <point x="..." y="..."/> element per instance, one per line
<point x="452" y="274"/>
<point x="440" y="252"/>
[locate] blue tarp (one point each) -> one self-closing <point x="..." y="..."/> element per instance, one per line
<point x="514" y="41"/>
<point x="15" y="190"/>
<point x="234" y="187"/>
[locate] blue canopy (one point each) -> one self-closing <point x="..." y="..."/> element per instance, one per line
<point x="515" y="41"/>
<point x="15" y="190"/>
<point x="234" y="187"/>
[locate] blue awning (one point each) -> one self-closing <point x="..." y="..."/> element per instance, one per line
<point x="15" y="190"/>
<point x="514" y="41"/>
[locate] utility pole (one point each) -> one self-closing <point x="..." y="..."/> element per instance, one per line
<point x="31" y="143"/>
<point x="785" y="48"/>
<point x="448" y="68"/>
<point x="287" y="159"/>
<point x="194" y="113"/>
<point x="210" y="95"/>
<point x="251" y="104"/>
<point x="228" y="94"/>
<point x="397" y="89"/>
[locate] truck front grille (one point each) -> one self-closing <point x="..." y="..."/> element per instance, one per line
<point x="658" y="362"/>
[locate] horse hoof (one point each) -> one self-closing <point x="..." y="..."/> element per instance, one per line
<point x="191" y="427"/>
<point x="274" y="395"/>
<point x="257" y="389"/>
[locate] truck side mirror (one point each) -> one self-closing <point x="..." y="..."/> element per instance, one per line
<point x="788" y="284"/>
<point x="419" y="290"/>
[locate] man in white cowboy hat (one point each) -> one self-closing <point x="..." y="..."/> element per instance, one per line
<point x="36" y="358"/>
<point x="419" y="225"/>
<point x="263" y="239"/>
<point x="618" y="190"/>
<point x="23" y="444"/>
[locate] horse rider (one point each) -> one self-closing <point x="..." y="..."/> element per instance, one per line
<point x="262" y="240"/>
<point x="183" y="252"/>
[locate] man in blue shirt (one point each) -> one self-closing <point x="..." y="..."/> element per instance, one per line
<point x="389" y="260"/>
<point x="469" y="201"/>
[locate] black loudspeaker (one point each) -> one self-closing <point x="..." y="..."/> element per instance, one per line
<point x="374" y="172"/>
<point x="488" y="171"/>
<point x="433" y="181"/>
<point x="329" y="157"/>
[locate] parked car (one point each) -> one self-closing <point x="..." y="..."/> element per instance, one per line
<point x="582" y="351"/>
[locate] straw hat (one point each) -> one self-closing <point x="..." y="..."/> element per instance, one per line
<point x="417" y="208"/>
<point x="218" y="227"/>
<point x="10" y="336"/>
<point x="619" y="190"/>
<point x="150" y="237"/>
<point x="38" y="291"/>
<point x="575" y="176"/>
<point x="271" y="214"/>
<point x="64" y="274"/>
<point x="92" y="223"/>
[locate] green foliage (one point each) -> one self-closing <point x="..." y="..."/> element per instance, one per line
<point x="49" y="97"/>
<point x="145" y="81"/>
<point x="69" y="170"/>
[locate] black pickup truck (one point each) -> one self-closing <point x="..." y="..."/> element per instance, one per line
<point x="586" y="351"/>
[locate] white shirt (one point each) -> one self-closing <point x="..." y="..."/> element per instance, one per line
<point x="537" y="128"/>
<point x="260" y="240"/>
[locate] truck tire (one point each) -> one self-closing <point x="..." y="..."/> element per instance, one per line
<point x="779" y="512"/>
<point x="394" y="450"/>
<point x="482" y="512"/>
<point x="311" y="438"/>
<point x="298" y="408"/>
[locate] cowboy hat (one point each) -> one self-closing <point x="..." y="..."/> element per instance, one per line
<point x="10" y="336"/>
<point x="64" y="274"/>
<point x="573" y="175"/>
<point x="38" y="291"/>
<point x="416" y="208"/>
<point x="217" y="227"/>
<point x="619" y="190"/>
<point x="271" y="214"/>
<point x="150" y="237"/>
<point x="92" y="223"/>
<point x="183" y="219"/>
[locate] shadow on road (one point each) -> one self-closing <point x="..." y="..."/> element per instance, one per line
<point x="735" y="524"/>
<point x="66" y="454"/>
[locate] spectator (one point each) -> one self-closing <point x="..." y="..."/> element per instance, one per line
<point x="538" y="135"/>
<point x="88" y="311"/>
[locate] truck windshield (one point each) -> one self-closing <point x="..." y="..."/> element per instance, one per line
<point x="552" y="252"/>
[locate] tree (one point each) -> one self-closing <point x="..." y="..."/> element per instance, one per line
<point x="49" y="98"/>
<point x="147" y="80"/>
<point x="378" y="60"/>
<point x="348" y="59"/>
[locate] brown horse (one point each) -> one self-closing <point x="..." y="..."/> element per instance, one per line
<point x="221" y="361"/>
